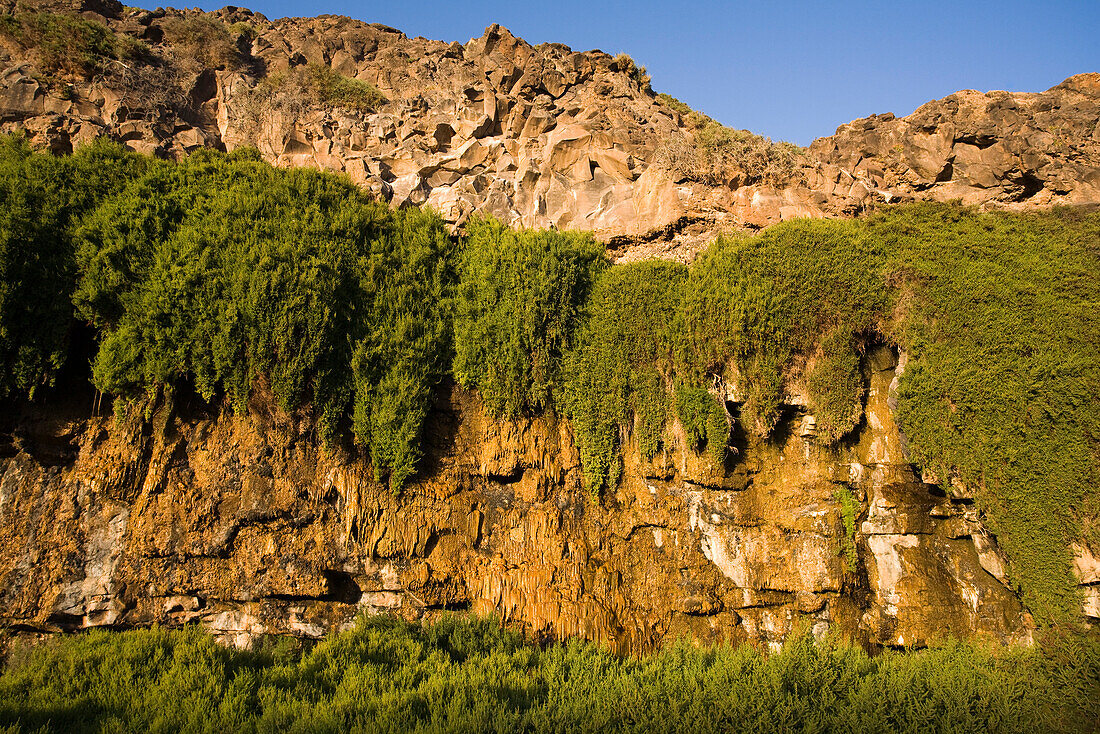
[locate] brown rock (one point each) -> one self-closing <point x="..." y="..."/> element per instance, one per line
<point x="583" y="142"/>
<point x="239" y="524"/>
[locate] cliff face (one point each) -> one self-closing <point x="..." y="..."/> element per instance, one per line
<point x="538" y="136"/>
<point x="245" y="525"/>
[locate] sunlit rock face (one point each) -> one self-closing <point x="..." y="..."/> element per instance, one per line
<point x="1000" y="149"/>
<point x="538" y="136"/>
<point x="247" y="526"/>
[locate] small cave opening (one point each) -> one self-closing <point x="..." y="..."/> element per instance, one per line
<point x="342" y="587"/>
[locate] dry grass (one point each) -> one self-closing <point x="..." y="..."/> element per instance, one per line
<point x="714" y="154"/>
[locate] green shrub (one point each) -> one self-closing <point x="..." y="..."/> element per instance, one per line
<point x="286" y="96"/>
<point x="36" y="269"/>
<point x="41" y="201"/>
<point x="404" y="338"/>
<point x="516" y="309"/>
<point x="336" y="90"/>
<point x="754" y="306"/>
<point x="836" y="385"/>
<point x="224" y="269"/>
<point x="243" y="29"/>
<point x="622" y="365"/>
<point x="458" y="674"/>
<point x="849" y="512"/>
<point x="999" y="315"/>
<point x="676" y="105"/>
<point x="302" y="87"/>
<point x="705" y="420"/>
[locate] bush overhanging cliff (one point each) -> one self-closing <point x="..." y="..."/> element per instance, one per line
<point x="225" y="271"/>
<point x="516" y="310"/>
<point x="232" y="275"/>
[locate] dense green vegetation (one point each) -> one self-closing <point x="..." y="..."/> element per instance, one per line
<point x="42" y="201"/>
<point x="516" y="310"/>
<point x="226" y="270"/>
<point x="242" y="279"/>
<point x="805" y="289"/>
<point x="1001" y="318"/>
<point x="231" y="274"/>
<point x="622" y="370"/>
<point x="705" y="421"/>
<point x="462" y="675"/>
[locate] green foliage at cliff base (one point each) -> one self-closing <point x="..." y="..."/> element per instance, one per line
<point x="464" y="675"/>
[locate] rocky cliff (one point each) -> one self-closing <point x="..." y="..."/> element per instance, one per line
<point x="245" y="525"/>
<point x="538" y="136"/>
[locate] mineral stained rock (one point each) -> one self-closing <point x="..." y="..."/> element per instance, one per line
<point x="247" y="525"/>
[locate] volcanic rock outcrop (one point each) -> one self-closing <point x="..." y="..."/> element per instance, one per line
<point x="1010" y="149"/>
<point x="539" y="136"/>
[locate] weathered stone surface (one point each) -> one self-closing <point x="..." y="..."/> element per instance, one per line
<point x="1000" y="149"/>
<point x="247" y="526"/>
<point x="542" y="136"/>
<point x="1085" y="564"/>
<point x="1092" y="601"/>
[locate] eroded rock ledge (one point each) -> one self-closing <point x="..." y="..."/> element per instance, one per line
<point x="244" y="525"/>
<point x="538" y="136"/>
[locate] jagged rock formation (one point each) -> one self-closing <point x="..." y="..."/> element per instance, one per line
<point x="245" y="525"/>
<point x="538" y="136"/>
<point x="1011" y="149"/>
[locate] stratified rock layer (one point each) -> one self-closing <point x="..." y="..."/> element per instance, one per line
<point x="539" y="136"/>
<point x="245" y="525"/>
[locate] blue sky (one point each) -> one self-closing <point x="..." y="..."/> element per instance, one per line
<point x="789" y="70"/>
